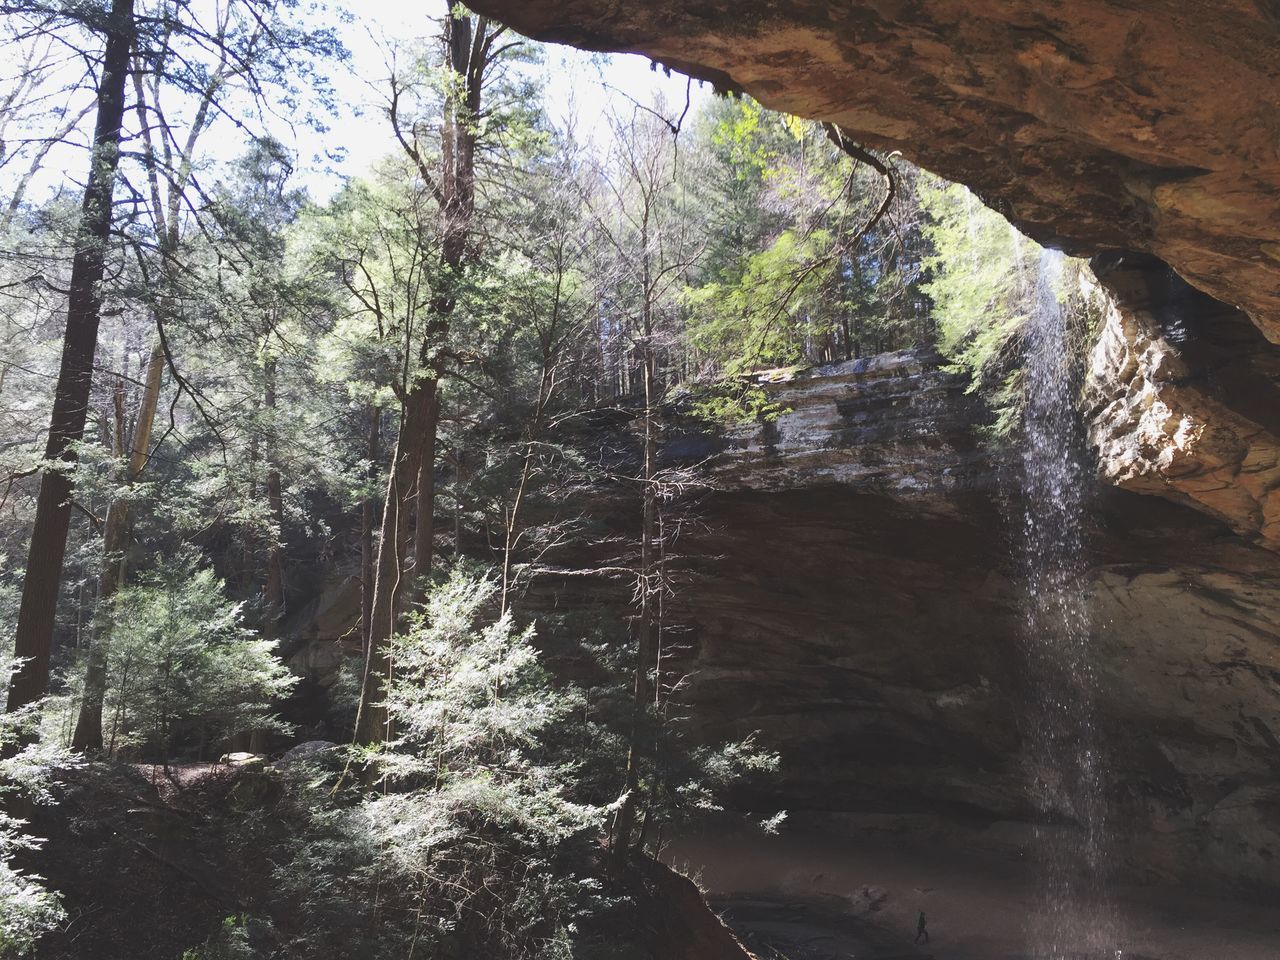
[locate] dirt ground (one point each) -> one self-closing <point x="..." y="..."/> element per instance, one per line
<point x="805" y="896"/>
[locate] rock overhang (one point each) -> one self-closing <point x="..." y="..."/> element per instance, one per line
<point x="1096" y="125"/>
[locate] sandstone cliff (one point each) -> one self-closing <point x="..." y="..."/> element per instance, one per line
<point x="854" y="600"/>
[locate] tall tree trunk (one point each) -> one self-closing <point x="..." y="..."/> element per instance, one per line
<point x="368" y="516"/>
<point x="469" y="47"/>
<point x="273" y="590"/>
<point x="371" y="719"/>
<point x="166" y="218"/>
<point x="424" y="521"/>
<point x="643" y="690"/>
<point x="115" y="537"/>
<point x="33" y="638"/>
<point x="546" y="386"/>
<point x="273" y="581"/>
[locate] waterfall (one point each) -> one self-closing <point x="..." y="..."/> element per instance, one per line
<point x="1066" y="770"/>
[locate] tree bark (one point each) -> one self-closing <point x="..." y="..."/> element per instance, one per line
<point x="368" y="516"/>
<point x="371" y="719"/>
<point x="115" y="541"/>
<point x="469" y="48"/>
<point x="273" y="579"/>
<point x="33" y="638"/>
<point x="424" y="522"/>
<point x="644" y="692"/>
<point x="273" y="589"/>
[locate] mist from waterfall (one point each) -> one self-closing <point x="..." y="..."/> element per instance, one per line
<point x="1065" y="766"/>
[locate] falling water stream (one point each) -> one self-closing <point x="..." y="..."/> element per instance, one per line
<point x="1066" y="768"/>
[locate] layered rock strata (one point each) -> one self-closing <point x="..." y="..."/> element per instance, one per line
<point x="851" y="597"/>
<point x="896" y="424"/>
<point x="1184" y="399"/>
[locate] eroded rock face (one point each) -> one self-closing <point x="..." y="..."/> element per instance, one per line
<point x="895" y="424"/>
<point x="1184" y="399"/>
<point x="1099" y="124"/>
<point x="864" y="616"/>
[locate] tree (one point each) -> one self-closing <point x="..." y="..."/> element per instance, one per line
<point x="471" y="50"/>
<point x="478" y="807"/>
<point x="27" y="908"/>
<point x="186" y="668"/>
<point x="820" y="230"/>
<point x="33" y="637"/>
<point x="645" y="226"/>
<point x="238" y="48"/>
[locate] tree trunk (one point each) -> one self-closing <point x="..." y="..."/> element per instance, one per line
<point x="643" y="691"/>
<point x="371" y="720"/>
<point x="88" y="733"/>
<point x="424" y="522"/>
<point x="457" y="502"/>
<point x="368" y="516"/>
<point x="468" y="48"/>
<point x="273" y="589"/>
<point x="115" y="537"/>
<point x="273" y="581"/>
<point x="33" y="638"/>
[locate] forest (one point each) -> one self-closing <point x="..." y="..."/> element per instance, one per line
<point x="223" y="391"/>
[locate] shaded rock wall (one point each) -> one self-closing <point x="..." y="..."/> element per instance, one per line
<point x="872" y="633"/>
<point x="1184" y="398"/>
<point x="847" y="591"/>
<point x="852" y="599"/>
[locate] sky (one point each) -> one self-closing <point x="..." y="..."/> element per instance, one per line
<point x="580" y="89"/>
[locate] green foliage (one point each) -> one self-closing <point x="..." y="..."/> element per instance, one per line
<point x="27" y="768"/>
<point x="10" y="596"/>
<point x="735" y="401"/>
<point x="980" y="286"/>
<point x="234" y="941"/>
<point x="478" y="813"/>
<point x="27" y="908"/>
<point x="774" y="310"/>
<point x="797" y="269"/>
<point x="476" y="831"/>
<point x="983" y="276"/>
<point x="184" y="670"/>
<point x="679" y="778"/>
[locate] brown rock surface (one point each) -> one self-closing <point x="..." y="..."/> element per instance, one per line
<point x="1092" y="125"/>
<point x="895" y="423"/>
<point x="864" y="617"/>
<point x="1185" y="399"/>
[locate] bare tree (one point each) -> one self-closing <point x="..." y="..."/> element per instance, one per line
<point x="642" y="218"/>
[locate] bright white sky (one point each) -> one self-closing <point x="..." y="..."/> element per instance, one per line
<point x="580" y="89"/>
